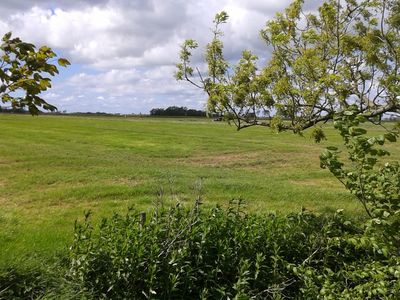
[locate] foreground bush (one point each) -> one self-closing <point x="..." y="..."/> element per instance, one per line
<point x="35" y="278"/>
<point x="220" y="254"/>
<point x="23" y="283"/>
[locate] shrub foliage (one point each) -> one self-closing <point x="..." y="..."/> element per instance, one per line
<point x="225" y="254"/>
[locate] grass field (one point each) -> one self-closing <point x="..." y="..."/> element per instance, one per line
<point x="52" y="168"/>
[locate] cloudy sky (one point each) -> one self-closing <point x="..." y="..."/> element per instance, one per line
<point x="123" y="52"/>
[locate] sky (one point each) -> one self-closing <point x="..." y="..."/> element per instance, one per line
<point x="123" y="52"/>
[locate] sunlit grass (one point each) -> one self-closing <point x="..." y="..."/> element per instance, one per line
<point x="54" y="168"/>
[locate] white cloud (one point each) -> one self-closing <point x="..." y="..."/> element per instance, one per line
<point x="83" y="33"/>
<point x="123" y="51"/>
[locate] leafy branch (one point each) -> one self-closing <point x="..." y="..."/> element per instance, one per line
<point x="23" y="73"/>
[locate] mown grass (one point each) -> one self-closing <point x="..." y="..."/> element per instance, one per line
<point x="52" y="168"/>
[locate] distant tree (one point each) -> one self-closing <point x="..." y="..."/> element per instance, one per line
<point x="175" y="111"/>
<point x="345" y="54"/>
<point x="156" y="111"/>
<point x="23" y="71"/>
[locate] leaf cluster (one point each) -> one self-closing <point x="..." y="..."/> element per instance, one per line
<point x="347" y="53"/>
<point x="375" y="185"/>
<point x="24" y="72"/>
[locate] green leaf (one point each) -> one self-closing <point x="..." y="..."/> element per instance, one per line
<point x="7" y="36"/>
<point x="371" y="161"/>
<point x="63" y="62"/>
<point x="326" y="154"/>
<point x="380" y="139"/>
<point x="45" y="83"/>
<point x="356" y="131"/>
<point x="391" y="137"/>
<point x="26" y="47"/>
<point x="44" y="49"/>
<point x="332" y="148"/>
<point x="348" y="112"/>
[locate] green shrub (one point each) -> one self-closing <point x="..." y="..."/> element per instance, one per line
<point x="35" y="278"/>
<point x="219" y="254"/>
<point x="23" y="283"/>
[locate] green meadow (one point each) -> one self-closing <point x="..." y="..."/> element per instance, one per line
<point x="53" y="168"/>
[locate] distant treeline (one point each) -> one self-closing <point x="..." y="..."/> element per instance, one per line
<point x="13" y="110"/>
<point x="175" y="111"/>
<point x="172" y="111"/>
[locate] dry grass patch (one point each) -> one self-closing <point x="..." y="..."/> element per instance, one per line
<point x="221" y="160"/>
<point x="318" y="183"/>
<point x="3" y="201"/>
<point x="123" y="181"/>
<point x="4" y="161"/>
<point x="244" y="159"/>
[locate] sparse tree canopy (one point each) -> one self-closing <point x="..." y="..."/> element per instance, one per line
<point x="345" y="54"/>
<point x="21" y="74"/>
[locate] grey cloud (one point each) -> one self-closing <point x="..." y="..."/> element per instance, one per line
<point x="266" y="7"/>
<point x="128" y="47"/>
<point x="15" y="5"/>
<point x="108" y="32"/>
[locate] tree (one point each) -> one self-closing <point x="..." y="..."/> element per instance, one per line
<point x="342" y="64"/>
<point x="21" y="74"/>
<point x="346" y="54"/>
